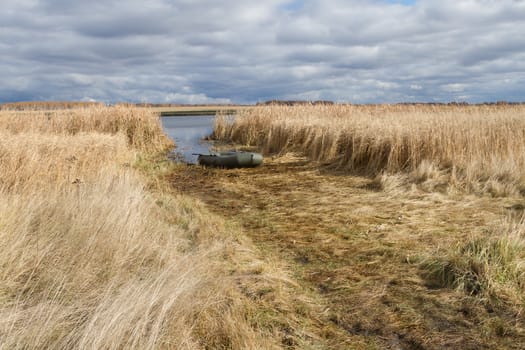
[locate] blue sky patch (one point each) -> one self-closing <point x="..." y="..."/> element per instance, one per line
<point x="293" y="6"/>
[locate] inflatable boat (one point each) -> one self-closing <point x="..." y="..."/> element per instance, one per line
<point x="231" y="159"/>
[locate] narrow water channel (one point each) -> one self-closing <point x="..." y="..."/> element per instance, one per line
<point x="188" y="133"/>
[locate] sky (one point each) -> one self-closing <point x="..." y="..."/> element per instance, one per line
<point x="232" y="51"/>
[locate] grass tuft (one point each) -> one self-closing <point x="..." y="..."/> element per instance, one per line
<point x="491" y="266"/>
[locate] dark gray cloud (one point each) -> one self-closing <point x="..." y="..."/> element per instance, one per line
<point x="232" y="51"/>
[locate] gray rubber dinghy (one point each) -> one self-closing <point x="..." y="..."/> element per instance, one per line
<point x="231" y="159"/>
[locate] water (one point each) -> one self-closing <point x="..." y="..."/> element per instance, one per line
<point x="188" y="133"/>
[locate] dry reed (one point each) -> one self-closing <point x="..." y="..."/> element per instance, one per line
<point x="476" y="148"/>
<point x="47" y="105"/>
<point x="89" y="258"/>
<point x="141" y="127"/>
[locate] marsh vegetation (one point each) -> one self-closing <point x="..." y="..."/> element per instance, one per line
<point x="368" y="227"/>
<point x="96" y="252"/>
<point x="408" y="219"/>
<point x="474" y="148"/>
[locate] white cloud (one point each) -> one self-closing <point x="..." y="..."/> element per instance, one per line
<point x="386" y="85"/>
<point x="454" y="87"/>
<point x="194" y="99"/>
<point x="209" y="51"/>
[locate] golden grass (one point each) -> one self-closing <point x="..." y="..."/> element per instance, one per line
<point x="141" y="127"/>
<point x="91" y="258"/>
<point x="99" y="250"/>
<point x="365" y="255"/>
<point x="47" y="105"/>
<point x="489" y="266"/>
<point x="479" y="149"/>
<point x="418" y="237"/>
<point x="35" y="161"/>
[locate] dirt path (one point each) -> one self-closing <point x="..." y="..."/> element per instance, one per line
<point x="357" y="250"/>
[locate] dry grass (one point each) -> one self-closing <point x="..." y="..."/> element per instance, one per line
<point x="490" y="266"/>
<point x="99" y="250"/>
<point x="46" y="105"/>
<point x="141" y="127"/>
<point x="479" y="149"/>
<point x="91" y="258"/>
<point x="365" y="256"/>
<point x="426" y="249"/>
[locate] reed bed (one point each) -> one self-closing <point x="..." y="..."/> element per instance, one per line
<point x="90" y="258"/>
<point x="141" y="127"/>
<point x="451" y="148"/>
<point x="475" y="148"/>
<point x="47" y="105"/>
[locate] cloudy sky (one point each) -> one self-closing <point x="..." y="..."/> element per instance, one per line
<point x="204" y="51"/>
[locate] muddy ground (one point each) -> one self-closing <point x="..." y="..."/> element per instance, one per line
<point x="357" y="252"/>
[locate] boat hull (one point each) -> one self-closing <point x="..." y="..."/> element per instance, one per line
<point x="231" y="159"/>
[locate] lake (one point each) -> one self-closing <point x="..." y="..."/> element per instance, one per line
<point x="188" y="133"/>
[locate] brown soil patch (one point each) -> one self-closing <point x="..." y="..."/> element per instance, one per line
<point x="356" y="250"/>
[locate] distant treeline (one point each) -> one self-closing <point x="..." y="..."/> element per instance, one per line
<point x="294" y="102"/>
<point x="56" y="105"/>
<point x="502" y="103"/>
<point x="143" y="104"/>
<point x="324" y="102"/>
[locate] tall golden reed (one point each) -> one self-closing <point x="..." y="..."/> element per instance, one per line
<point x="90" y="259"/>
<point x="140" y="126"/>
<point x="475" y="147"/>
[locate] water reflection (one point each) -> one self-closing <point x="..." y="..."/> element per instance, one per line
<point x="188" y="133"/>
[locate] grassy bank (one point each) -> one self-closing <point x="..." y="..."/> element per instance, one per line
<point x="477" y="149"/>
<point x="406" y="219"/>
<point x="369" y="227"/>
<point x="97" y="253"/>
<point x="412" y="270"/>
